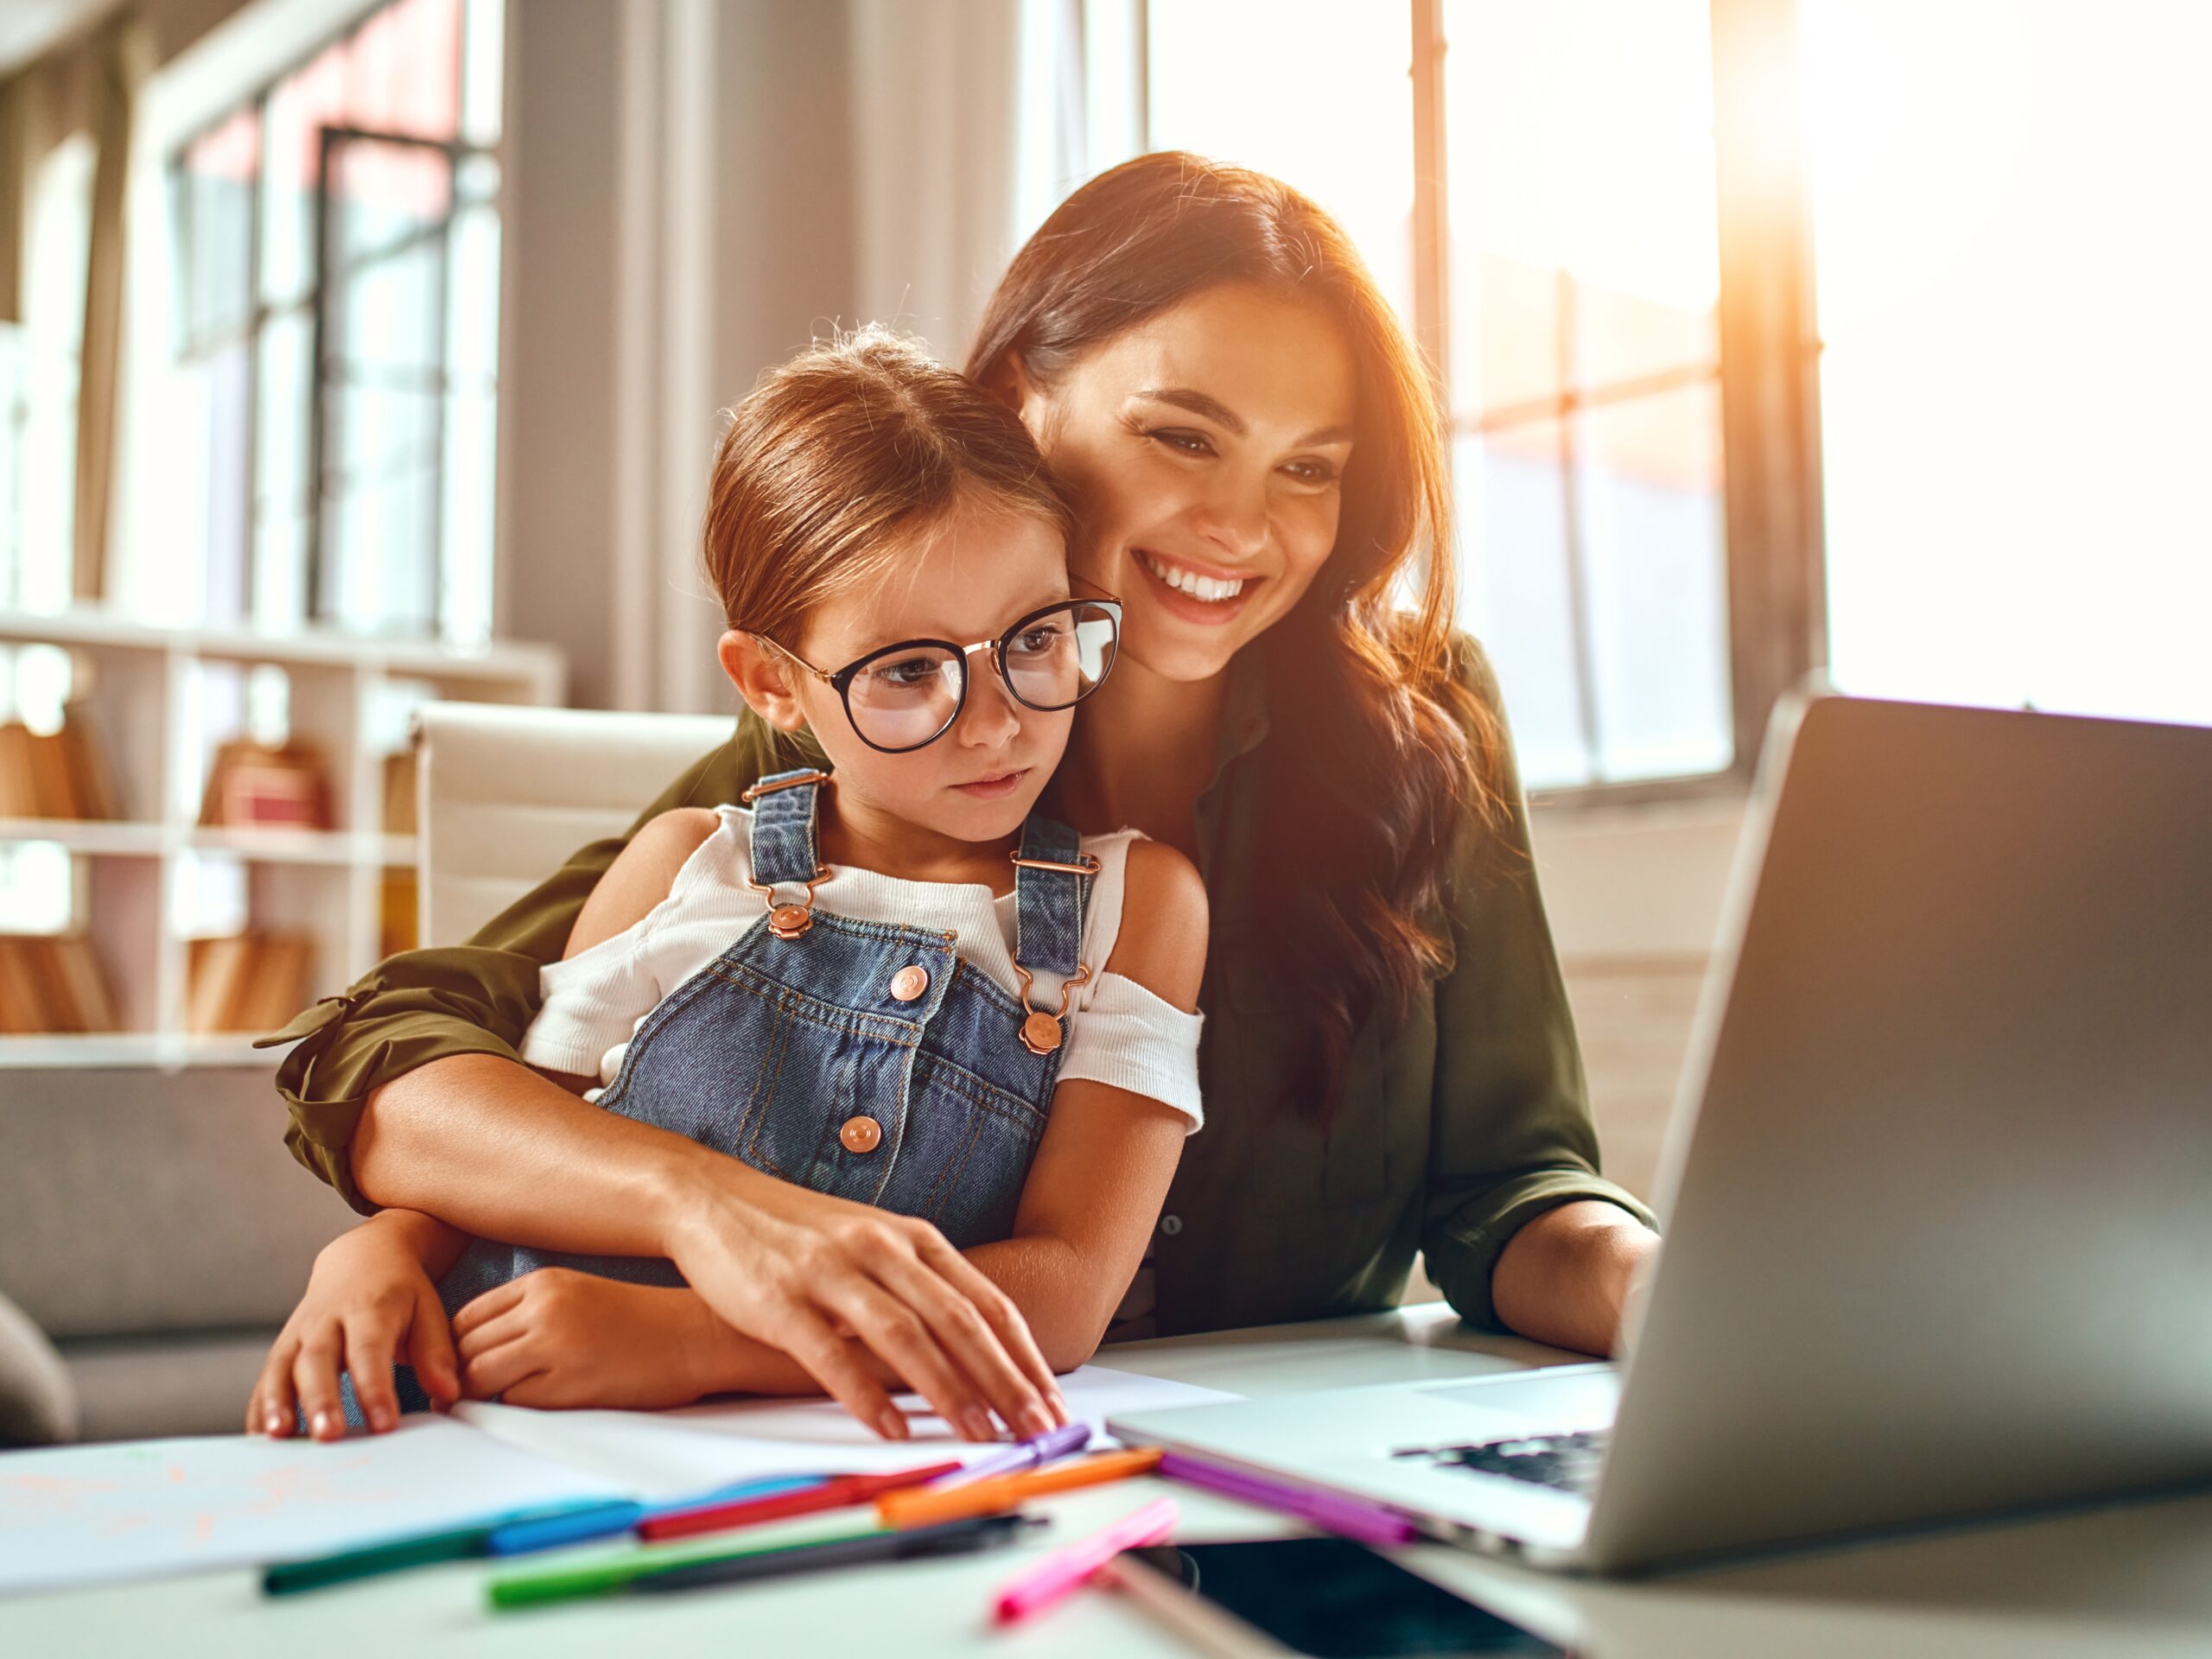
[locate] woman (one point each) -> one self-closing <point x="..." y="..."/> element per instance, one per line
<point x="1259" y="468"/>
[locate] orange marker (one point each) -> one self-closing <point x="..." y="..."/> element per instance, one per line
<point x="923" y="1508"/>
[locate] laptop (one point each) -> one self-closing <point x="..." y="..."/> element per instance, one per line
<point x="1936" y="1191"/>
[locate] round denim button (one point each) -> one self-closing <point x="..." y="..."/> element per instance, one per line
<point x="861" y="1134"/>
<point x="910" y="983"/>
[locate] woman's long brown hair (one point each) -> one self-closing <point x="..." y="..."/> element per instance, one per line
<point x="1379" y="750"/>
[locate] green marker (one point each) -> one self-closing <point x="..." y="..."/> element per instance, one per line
<point x="609" y="1572"/>
<point x="417" y="1549"/>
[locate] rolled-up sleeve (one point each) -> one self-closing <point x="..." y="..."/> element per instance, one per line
<point x="1510" y="1135"/>
<point x="479" y="998"/>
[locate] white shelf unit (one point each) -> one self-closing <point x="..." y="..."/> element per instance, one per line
<point x="159" y="702"/>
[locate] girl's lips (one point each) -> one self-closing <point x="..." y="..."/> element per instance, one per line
<point x="1208" y="612"/>
<point x="993" y="789"/>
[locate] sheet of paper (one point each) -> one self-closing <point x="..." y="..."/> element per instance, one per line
<point x="670" y="1454"/>
<point x="147" y="1509"/>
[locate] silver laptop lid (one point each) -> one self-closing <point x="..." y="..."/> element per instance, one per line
<point x="1938" y="1192"/>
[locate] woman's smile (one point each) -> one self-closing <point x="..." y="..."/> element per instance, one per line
<point x="1195" y="592"/>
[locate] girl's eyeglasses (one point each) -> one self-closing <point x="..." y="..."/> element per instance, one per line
<point x="906" y="697"/>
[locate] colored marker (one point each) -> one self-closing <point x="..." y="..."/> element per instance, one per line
<point x="611" y="1519"/>
<point x="416" y="1550"/>
<point x="931" y="1505"/>
<point x="1348" y="1517"/>
<point x="961" y="1537"/>
<point x="834" y="1494"/>
<point x="1052" y="1443"/>
<point x="1063" y="1570"/>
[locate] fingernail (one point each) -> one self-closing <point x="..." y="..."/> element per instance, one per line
<point x="891" y="1425"/>
<point x="380" y="1418"/>
<point x="273" y="1424"/>
<point x="975" y="1424"/>
<point x="1035" y="1420"/>
<point x="322" y="1424"/>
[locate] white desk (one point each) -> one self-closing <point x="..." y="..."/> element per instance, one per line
<point x="2128" y="1580"/>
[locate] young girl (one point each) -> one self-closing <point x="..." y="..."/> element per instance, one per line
<point x="886" y="980"/>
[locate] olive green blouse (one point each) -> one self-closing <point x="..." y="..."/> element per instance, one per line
<point x="1465" y="1121"/>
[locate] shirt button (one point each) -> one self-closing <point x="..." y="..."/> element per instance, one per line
<point x="910" y="983"/>
<point x="861" y="1134"/>
<point x="1170" y="1226"/>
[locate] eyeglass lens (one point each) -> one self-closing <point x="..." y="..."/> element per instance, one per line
<point x="903" y="700"/>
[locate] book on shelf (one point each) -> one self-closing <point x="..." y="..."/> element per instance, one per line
<point x="52" y="982"/>
<point x="283" y="786"/>
<point x="57" y="774"/>
<point x="399" y="793"/>
<point x="251" y="981"/>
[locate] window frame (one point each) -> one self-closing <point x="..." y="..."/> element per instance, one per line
<point x="1773" y="546"/>
<point x="190" y="347"/>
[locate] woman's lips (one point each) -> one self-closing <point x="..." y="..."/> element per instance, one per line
<point x="993" y="789"/>
<point x="1209" y="613"/>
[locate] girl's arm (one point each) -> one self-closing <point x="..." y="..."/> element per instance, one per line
<point x="372" y="1301"/>
<point x="797" y="1270"/>
<point x="1102" y="1170"/>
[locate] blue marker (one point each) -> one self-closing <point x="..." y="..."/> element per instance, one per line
<point x="608" y="1520"/>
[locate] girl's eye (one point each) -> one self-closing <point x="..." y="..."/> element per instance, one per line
<point x="906" y="671"/>
<point x="1037" y="641"/>
<point x="1181" y="441"/>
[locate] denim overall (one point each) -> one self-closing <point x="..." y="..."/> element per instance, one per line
<point x="826" y="1059"/>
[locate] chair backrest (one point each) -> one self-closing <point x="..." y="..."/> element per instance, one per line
<point x="505" y="794"/>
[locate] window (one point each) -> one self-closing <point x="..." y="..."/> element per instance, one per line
<point x="38" y="387"/>
<point x="1574" y="308"/>
<point x="2012" y="295"/>
<point x="336" y="317"/>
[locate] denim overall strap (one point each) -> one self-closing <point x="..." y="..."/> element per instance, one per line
<point x="1049" y="905"/>
<point x="783" y="828"/>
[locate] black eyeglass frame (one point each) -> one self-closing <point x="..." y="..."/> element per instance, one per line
<point x="841" y="680"/>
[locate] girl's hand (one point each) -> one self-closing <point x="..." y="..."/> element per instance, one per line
<point x="798" y="1271"/>
<point x="369" y="1304"/>
<point x="559" y="1338"/>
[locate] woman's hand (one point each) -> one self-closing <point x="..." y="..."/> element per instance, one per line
<point x="800" y="1271"/>
<point x="369" y="1304"/>
<point x="559" y="1338"/>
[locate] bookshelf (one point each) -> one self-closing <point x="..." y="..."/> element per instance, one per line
<point x="157" y="703"/>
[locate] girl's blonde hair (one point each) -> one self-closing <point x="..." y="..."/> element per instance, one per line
<point x="838" y="459"/>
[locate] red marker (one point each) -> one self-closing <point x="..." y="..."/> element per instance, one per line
<point x="834" y="1494"/>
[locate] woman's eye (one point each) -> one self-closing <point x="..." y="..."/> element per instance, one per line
<point x="1183" y="442"/>
<point x="1312" y="472"/>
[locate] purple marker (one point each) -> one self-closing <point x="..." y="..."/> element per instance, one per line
<point x="1349" y="1517"/>
<point x="1036" y="1450"/>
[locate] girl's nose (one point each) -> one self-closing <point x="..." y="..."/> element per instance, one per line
<point x="991" y="717"/>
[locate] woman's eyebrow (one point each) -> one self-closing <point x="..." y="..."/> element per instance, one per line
<point x="1220" y="414"/>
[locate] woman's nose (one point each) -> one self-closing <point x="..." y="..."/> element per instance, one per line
<point x="1234" y="518"/>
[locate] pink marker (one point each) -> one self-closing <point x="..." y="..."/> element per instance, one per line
<point x="1064" y="1569"/>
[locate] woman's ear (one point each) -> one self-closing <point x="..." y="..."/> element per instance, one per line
<point x="1010" y="382"/>
<point x="764" y="677"/>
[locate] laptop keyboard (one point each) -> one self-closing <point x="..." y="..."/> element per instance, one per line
<point x="1569" y="1462"/>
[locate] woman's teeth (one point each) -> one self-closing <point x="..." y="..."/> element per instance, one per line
<point x="1190" y="582"/>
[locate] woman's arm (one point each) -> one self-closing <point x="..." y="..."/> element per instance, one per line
<point x="792" y="1268"/>
<point x="1520" y="1231"/>
<point x="1093" y="1193"/>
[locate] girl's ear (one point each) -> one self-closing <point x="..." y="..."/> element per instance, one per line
<point x="763" y="678"/>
